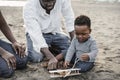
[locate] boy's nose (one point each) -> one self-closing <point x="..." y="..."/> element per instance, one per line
<point x="80" y="36"/>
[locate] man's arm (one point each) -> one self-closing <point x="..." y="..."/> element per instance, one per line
<point x="47" y="53"/>
<point x="34" y="30"/>
<point x="6" y="30"/>
<point x="18" y="47"/>
<point x="2" y="51"/>
<point x="8" y="57"/>
<point x="69" y="17"/>
<point x="71" y="34"/>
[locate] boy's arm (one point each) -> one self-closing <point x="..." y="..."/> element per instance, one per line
<point x="94" y="51"/>
<point x="71" y="51"/>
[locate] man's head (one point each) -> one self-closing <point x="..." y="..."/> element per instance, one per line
<point x="82" y="28"/>
<point x="48" y="4"/>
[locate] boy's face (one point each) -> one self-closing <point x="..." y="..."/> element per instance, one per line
<point x="82" y="32"/>
<point x="48" y="4"/>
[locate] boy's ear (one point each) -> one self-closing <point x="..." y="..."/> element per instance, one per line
<point x="90" y="30"/>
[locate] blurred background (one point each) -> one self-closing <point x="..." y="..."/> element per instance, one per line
<point x="105" y="16"/>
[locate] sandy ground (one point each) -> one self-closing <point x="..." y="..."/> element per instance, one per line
<point x="105" y="29"/>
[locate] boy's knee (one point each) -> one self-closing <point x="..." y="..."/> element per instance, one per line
<point x="7" y="73"/>
<point x="84" y="70"/>
<point x="85" y="66"/>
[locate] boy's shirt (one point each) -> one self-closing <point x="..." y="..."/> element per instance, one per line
<point x="78" y="48"/>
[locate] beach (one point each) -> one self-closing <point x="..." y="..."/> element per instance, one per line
<point x="105" y="17"/>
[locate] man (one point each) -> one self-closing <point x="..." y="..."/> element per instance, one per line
<point x="43" y="26"/>
<point x="12" y="56"/>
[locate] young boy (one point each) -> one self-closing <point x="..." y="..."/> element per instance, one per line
<point x="82" y="47"/>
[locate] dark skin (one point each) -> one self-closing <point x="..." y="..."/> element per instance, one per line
<point x="82" y="34"/>
<point x="48" y="5"/>
<point x="18" y="47"/>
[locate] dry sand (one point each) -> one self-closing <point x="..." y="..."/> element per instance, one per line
<point x="105" y="29"/>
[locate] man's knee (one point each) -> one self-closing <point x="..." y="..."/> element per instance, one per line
<point x="35" y="57"/>
<point x="7" y="73"/>
<point x="21" y="63"/>
<point x="4" y="70"/>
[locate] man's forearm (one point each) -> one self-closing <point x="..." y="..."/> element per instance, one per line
<point x="5" y="29"/>
<point x="7" y="32"/>
<point x="71" y="34"/>
<point x="2" y="51"/>
<point x="47" y="53"/>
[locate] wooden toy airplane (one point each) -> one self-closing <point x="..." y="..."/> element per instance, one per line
<point x="64" y="73"/>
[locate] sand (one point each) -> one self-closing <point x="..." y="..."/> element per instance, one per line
<point x="105" y="18"/>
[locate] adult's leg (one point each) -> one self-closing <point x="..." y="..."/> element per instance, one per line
<point x="4" y="70"/>
<point x="33" y="56"/>
<point x="61" y="42"/>
<point x="49" y="37"/>
<point x="20" y="62"/>
<point x="58" y="43"/>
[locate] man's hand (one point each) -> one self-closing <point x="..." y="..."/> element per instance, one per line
<point x="71" y="34"/>
<point x="10" y="59"/>
<point x="19" y="48"/>
<point x="84" y="57"/>
<point x="52" y="64"/>
<point x="66" y="64"/>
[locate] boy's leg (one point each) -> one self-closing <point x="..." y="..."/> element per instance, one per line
<point x="33" y="56"/>
<point x="20" y="62"/>
<point x="84" y="66"/>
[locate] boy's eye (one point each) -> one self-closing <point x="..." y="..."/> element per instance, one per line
<point x="81" y="33"/>
<point x="77" y="33"/>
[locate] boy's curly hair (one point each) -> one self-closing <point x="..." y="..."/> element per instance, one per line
<point x="83" y="20"/>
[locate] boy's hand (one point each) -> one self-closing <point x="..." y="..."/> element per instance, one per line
<point x="84" y="57"/>
<point x="19" y="48"/>
<point x="66" y="64"/>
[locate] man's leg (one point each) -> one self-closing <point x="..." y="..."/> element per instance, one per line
<point x="4" y="70"/>
<point x="61" y="42"/>
<point x="20" y="62"/>
<point x="33" y="56"/>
